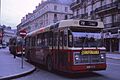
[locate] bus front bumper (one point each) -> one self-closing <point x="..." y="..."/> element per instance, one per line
<point x="87" y="68"/>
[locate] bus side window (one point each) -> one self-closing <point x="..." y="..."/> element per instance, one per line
<point x="55" y="39"/>
<point x="27" y="42"/>
<point x="50" y="38"/>
<point x="39" y="40"/>
<point x="33" y="41"/>
<point x="30" y="41"/>
<point x="43" y="40"/>
<point x="65" y="37"/>
<point x="46" y="39"/>
<point x="61" y="39"/>
<point x="65" y="40"/>
<point x="70" y="39"/>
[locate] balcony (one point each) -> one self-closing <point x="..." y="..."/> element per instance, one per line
<point x="84" y="16"/>
<point x="107" y="7"/>
<point x="80" y="16"/>
<point x="76" y="4"/>
<point x="111" y="25"/>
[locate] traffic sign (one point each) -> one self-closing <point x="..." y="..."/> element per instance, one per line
<point x="23" y="33"/>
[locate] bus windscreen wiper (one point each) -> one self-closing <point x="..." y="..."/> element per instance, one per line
<point x="85" y="40"/>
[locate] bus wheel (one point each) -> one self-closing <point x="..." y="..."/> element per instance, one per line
<point x="49" y="64"/>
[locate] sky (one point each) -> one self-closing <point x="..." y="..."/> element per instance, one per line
<point x="12" y="11"/>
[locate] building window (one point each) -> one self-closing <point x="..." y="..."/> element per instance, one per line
<point x="77" y="13"/>
<point x="118" y="17"/>
<point x="114" y="18"/>
<point x="103" y="2"/>
<point x="66" y="9"/>
<point x="36" y="25"/>
<point x="55" y="7"/>
<point x="108" y="19"/>
<point x="104" y="20"/>
<point x="55" y="18"/>
<point x="66" y="17"/>
<point x="101" y="19"/>
<point x="85" y="9"/>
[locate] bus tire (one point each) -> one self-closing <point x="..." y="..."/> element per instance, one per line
<point x="49" y="64"/>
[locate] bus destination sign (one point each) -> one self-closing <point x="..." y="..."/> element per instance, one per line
<point x="90" y="52"/>
<point x="88" y="23"/>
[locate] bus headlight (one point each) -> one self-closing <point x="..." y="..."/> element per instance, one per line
<point x="77" y="57"/>
<point x="102" y="56"/>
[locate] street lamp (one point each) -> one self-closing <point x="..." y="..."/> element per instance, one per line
<point x="119" y="38"/>
<point x="1" y="35"/>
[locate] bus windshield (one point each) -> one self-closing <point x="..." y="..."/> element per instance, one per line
<point x="87" y="39"/>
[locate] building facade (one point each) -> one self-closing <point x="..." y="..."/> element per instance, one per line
<point x="107" y="11"/>
<point x="47" y="12"/>
<point x="1" y="34"/>
<point x="6" y="33"/>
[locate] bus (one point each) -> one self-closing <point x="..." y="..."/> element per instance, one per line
<point x="68" y="45"/>
<point x="15" y="45"/>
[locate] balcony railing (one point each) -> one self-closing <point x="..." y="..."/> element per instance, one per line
<point x="110" y="25"/>
<point x="80" y="16"/>
<point x="74" y="4"/>
<point x="77" y="3"/>
<point x="108" y="6"/>
<point x="84" y="15"/>
<point x="55" y="20"/>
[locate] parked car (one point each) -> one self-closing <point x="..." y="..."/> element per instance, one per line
<point x="4" y="45"/>
<point x="0" y="46"/>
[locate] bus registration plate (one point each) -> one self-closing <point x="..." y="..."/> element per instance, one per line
<point x="90" y="67"/>
<point x="90" y="52"/>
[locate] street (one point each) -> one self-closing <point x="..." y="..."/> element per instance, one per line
<point x="62" y="35"/>
<point x="112" y="73"/>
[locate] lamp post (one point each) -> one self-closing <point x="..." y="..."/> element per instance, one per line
<point x="22" y="34"/>
<point x="119" y="38"/>
<point x="1" y="35"/>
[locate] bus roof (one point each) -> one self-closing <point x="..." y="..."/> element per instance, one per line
<point x="71" y="22"/>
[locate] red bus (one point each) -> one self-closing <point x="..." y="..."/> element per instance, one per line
<point x="68" y="46"/>
<point x="15" y="45"/>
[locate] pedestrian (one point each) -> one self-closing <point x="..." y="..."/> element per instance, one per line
<point x="14" y="49"/>
<point x="14" y="54"/>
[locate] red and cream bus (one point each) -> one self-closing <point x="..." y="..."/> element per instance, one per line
<point x="15" y="45"/>
<point x="68" y="45"/>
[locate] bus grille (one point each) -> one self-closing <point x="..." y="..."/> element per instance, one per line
<point x="88" y="59"/>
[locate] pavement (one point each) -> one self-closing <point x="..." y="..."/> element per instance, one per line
<point x="11" y="67"/>
<point x="113" y="56"/>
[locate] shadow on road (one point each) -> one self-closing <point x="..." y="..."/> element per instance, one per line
<point x="79" y="75"/>
<point x="71" y="75"/>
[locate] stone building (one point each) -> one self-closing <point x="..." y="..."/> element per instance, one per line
<point x="7" y="33"/>
<point x="107" y="11"/>
<point x="47" y="12"/>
